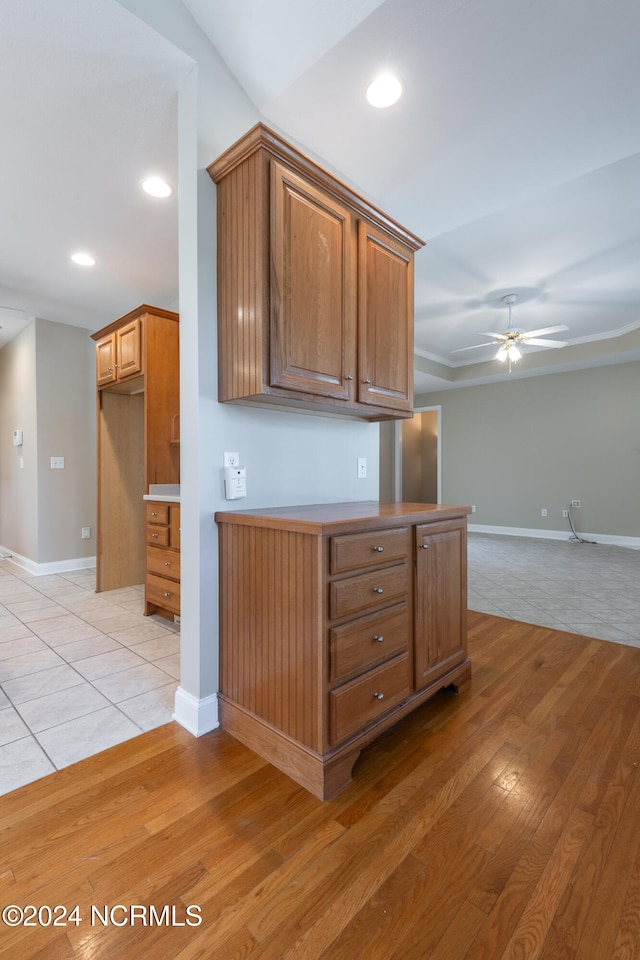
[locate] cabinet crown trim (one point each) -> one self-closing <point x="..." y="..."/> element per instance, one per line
<point x="262" y="137"/>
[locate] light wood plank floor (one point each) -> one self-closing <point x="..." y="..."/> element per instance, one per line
<point x="502" y="823"/>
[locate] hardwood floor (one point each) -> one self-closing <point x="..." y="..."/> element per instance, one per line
<point x="502" y="823"/>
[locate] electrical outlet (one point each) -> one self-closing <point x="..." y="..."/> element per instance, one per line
<point x="473" y="508"/>
<point x="543" y="512"/>
<point x="362" y="468"/>
<point x="576" y="503"/>
<point x="57" y="463"/>
<point x="86" y="533"/>
<point x="565" y="513"/>
<point x="231" y="460"/>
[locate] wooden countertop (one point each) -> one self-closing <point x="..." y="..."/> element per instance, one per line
<point x="321" y="518"/>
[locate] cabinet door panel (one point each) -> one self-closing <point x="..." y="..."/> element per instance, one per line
<point x="312" y="289"/>
<point x="129" y="349"/>
<point x="441" y="599"/>
<point x="385" y="320"/>
<point x="106" y="360"/>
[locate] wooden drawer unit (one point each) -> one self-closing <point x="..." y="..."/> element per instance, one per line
<point x="368" y="549"/>
<point x="163" y="593"/>
<point x="360" y="644"/>
<point x="156" y="512"/>
<point x="369" y="591"/>
<point x="163" y="563"/>
<point x="157" y="536"/>
<point x="356" y="704"/>
<point x="162" y="577"/>
<point x="315" y="661"/>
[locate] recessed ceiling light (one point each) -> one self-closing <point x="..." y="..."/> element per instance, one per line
<point x="156" y="187"/>
<point x="83" y="259"/>
<point x="384" y="91"/>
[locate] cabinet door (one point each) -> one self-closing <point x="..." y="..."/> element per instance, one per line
<point x="106" y="360"/>
<point x="441" y="599"/>
<point x="385" y="320"/>
<point x="313" y="336"/>
<point x="129" y="349"/>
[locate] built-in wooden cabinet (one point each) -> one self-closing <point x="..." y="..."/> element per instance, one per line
<point x="335" y="621"/>
<point x="315" y="288"/>
<point x="162" y="579"/>
<point x="137" y="412"/>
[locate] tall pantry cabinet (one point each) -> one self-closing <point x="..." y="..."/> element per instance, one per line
<point x="138" y="404"/>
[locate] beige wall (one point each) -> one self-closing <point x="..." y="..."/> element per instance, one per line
<point x="19" y="465"/>
<point x="65" y="362"/>
<point x="47" y="389"/>
<point x="514" y="447"/>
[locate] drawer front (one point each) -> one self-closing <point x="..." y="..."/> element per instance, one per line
<point x="354" y="705"/>
<point x="163" y="563"/>
<point x="368" y="549"/>
<point x="157" y="536"/>
<point x="156" y="512"/>
<point x="362" y="643"/>
<point x="368" y="591"/>
<point x="162" y="592"/>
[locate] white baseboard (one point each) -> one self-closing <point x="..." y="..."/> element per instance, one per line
<point x="196" y="716"/>
<point x="45" y="569"/>
<point x="632" y="542"/>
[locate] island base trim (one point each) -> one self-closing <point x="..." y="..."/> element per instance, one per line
<point x="326" y="775"/>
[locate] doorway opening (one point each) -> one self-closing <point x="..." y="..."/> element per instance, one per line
<point x="410" y="461"/>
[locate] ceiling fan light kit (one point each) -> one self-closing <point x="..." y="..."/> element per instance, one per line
<point x="511" y="340"/>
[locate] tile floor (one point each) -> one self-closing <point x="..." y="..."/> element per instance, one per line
<point x="79" y="671"/>
<point x="591" y="589"/>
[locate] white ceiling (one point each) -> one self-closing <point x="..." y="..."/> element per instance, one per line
<point x="515" y="153"/>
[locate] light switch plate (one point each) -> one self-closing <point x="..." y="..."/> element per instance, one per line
<point x="57" y="463"/>
<point x="362" y="468"/>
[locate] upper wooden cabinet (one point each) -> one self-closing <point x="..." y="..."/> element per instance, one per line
<point x="119" y="354"/>
<point x="315" y="287"/>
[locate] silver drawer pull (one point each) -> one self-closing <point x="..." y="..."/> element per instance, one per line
<point x="167" y="564"/>
<point x="153" y="514"/>
<point x="378" y="590"/>
<point x="154" y="536"/>
<point x="379" y="549"/>
<point x="379" y="696"/>
<point x="349" y="377"/>
<point x="424" y="546"/>
<point x="366" y="381"/>
<point x="378" y="637"/>
<point x="166" y="594"/>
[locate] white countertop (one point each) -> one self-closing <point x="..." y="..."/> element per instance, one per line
<point x="167" y="492"/>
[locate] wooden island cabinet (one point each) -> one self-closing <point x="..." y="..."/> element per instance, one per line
<point x="315" y="288"/>
<point x="335" y="621"/>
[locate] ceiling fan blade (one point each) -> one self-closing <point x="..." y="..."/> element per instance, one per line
<point x="555" y="329"/>
<point x="492" y="333"/>
<point x="536" y="342"/>
<point x="474" y="347"/>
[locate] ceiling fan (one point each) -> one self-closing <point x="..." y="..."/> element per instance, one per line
<point x="511" y="340"/>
